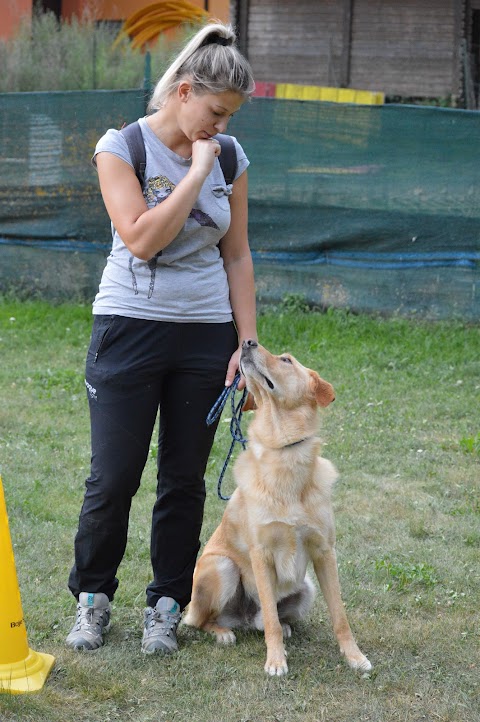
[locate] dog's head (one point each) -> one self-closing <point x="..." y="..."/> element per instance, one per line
<point x="281" y="380"/>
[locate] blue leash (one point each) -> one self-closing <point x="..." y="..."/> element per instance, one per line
<point x="235" y="428"/>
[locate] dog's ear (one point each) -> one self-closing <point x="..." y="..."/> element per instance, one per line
<point x="324" y="393"/>
<point x="249" y="404"/>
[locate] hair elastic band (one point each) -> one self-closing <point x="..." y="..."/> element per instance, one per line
<point x="218" y="40"/>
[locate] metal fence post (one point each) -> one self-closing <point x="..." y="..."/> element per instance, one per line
<point x="147" y="79"/>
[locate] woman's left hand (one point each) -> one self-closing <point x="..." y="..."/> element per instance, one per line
<point x="233" y="368"/>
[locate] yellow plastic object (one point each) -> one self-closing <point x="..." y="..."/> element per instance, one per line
<point x="346" y="95"/>
<point x="328" y="95"/>
<point x="21" y="669"/>
<point x="312" y="92"/>
<point x="280" y="90"/>
<point x="367" y="97"/>
<point x="145" y="25"/>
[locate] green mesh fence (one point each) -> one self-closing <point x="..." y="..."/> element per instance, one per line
<point x="54" y="230"/>
<point x="372" y="208"/>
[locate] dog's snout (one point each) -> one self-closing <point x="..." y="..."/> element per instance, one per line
<point x="249" y="343"/>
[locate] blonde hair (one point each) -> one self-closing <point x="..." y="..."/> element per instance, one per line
<point x="211" y="62"/>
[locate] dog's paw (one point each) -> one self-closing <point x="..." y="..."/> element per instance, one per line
<point x="358" y="662"/>
<point x="225" y="637"/>
<point x="287" y="630"/>
<point x="276" y="666"/>
<point x="354" y="657"/>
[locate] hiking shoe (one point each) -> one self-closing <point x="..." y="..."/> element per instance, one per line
<point x="161" y="622"/>
<point x="93" y="619"/>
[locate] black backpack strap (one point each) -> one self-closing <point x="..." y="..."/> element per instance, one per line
<point x="228" y="157"/>
<point x="136" y="146"/>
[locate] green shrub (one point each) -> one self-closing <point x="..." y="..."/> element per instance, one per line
<point x="471" y="444"/>
<point x="76" y="54"/>
<point x="402" y="574"/>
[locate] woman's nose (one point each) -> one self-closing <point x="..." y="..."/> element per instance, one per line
<point x="221" y="126"/>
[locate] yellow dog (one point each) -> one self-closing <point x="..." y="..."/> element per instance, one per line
<point x="253" y="570"/>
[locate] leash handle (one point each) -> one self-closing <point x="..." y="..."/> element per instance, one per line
<point x="219" y="404"/>
<point x="235" y="424"/>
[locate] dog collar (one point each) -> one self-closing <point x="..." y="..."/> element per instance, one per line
<point x="294" y="443"/>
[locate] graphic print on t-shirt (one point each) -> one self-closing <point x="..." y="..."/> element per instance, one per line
<point x="158" y="188"/>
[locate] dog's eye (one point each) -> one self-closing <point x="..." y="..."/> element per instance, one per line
<point x="285" y="359"/>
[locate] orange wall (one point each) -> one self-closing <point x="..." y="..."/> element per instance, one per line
<point x="12" y="11"/>
<point x="11" y="14"/>
<point x="121" y="9"/>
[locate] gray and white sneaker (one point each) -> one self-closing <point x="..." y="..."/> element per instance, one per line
<point x="93" y="619"/>
<point x="161" y="622"/>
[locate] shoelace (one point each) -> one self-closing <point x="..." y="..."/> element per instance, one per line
<point x="86" y="617"/>
<point x="165" y="623"/>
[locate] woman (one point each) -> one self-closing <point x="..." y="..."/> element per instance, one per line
<point x="175" y="301"/>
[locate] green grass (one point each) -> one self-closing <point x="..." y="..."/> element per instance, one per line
<point x="408" y="525"/>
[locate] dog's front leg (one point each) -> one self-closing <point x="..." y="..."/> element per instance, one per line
<point x="264" y="574"/>
<point x="325" y="564"/>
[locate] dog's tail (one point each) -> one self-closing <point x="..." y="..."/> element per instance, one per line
<point x="199" y="611"/>
<point x="215" y="581"/>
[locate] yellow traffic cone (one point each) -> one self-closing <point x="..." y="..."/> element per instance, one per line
<point x="21" y="669"/>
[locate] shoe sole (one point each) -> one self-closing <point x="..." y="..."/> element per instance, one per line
<point x="160" y="650"/>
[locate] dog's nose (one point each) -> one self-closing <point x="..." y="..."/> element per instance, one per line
<point x="249" y="343"/>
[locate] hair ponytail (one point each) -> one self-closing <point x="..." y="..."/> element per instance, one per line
<point x="212" y="63"/>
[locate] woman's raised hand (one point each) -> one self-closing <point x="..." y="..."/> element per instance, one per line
<point x="204" y="152"/>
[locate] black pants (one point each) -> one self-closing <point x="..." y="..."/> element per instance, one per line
<point x="134" y="368"/>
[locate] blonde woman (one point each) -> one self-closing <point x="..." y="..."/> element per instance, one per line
<point x="175" y="301"/>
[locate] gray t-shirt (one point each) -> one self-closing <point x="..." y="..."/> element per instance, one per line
<point x="186" y="282"/>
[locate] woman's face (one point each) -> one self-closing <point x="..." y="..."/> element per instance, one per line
<point x="204" y="115"/>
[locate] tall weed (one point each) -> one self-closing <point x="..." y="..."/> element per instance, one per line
<point x="76" y="54"/>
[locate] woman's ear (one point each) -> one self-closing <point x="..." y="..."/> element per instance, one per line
<point x="184" y="90"/>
